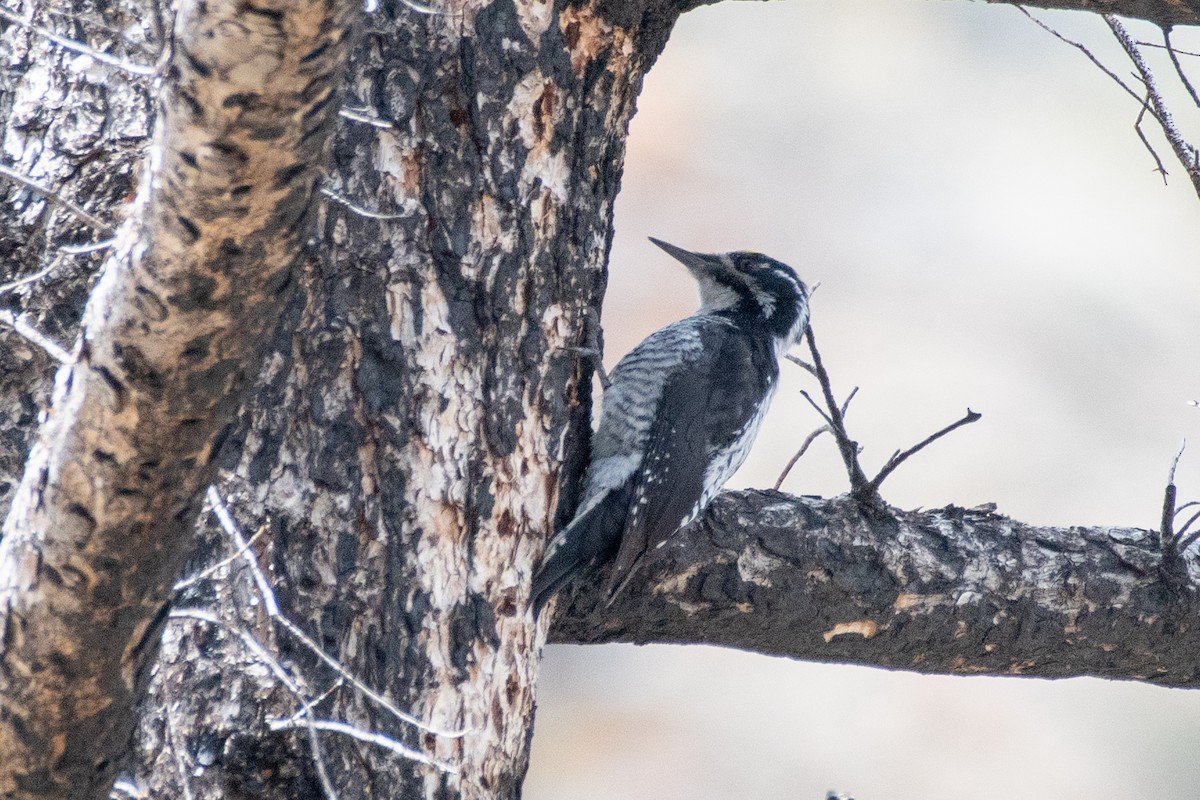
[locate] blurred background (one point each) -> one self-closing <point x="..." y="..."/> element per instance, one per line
<point x="988" y="231"/>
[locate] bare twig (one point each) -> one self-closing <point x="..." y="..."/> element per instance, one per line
<point x="5" y="288"/>
<point x="898" y="458"/>
<point x="95" y="21"/>
<point x="816" y="406"/>
<point x="808" y="440"/>
<point x="57" y="199"/>
<point x="32" y="335"/>
<point x="271" y="606"/>
<point x="377" y="739"/>
<point x="799" y="362"/>
<point x="1189" y="504"/>
<point x="1166" y="528"/>
<point x="123" y="788"/>
<point x="357" y="209"/>
<point x="1174" y="54"/>
<point x="1081" y="48"/>
<point x="859" y="486"/>
<point x="1190" y="540"/>
<point x="78" y="47"/>
<point x="87" y="247"/>
<point x="1162" y="47"/>
<point x="422" y="8"/>
<point x="1137" y="128"/>
<point x="1174" y="541"/>
<point x="213" y="568"/>
<point x="231" y="527"/>
<point x="362" y="115"/>
<point x="264" y="656"/>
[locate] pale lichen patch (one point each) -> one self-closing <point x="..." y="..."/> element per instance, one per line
<point x="755" y="565"/>
<point x="534" y="17"/>
<point x="866" y="628"/>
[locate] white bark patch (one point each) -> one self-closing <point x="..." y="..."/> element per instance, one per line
<point x="534" y="17"/>
<point x="399" y="170"/>
<point x="558" y="328"/>
<point x="916" y="603"/>
<point x="490" y="232"/>
<point x="676" y="584"/>
<point x="534" y="107"/>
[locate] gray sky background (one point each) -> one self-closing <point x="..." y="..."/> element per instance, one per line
<point x="988" y="232"/>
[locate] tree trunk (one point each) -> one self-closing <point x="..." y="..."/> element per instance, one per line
<point x="405" y="444"/>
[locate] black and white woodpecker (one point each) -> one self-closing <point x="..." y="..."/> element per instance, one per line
<point x="679" y="416"/>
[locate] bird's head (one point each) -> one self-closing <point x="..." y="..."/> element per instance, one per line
<point x="766" y="291"/>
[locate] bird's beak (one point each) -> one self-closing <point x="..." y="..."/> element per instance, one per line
<point x="699" y="264"/>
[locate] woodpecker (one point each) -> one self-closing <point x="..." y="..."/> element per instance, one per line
<point x="679" y="416"/>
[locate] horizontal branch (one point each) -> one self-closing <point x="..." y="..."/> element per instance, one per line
<point x="952" y="591"/>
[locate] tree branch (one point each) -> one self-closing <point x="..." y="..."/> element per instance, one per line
<point x="1163" y="12"/>
<point x="954" y="591"/>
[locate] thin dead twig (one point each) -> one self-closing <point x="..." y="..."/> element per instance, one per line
<point x="371" y="737"/>
<point x="808" y="440"/>
<point x="57" y="199"/>
<point x="899" y="458"/>
<point x="1174" y="56"/>
<point x="21" y="326"/>
<point x="260" y="652"/>
<point x="79" y="47"/>
<point x="1159" y="167"/>
<point x="357" y="209"/>
<point x="271" y="606"/>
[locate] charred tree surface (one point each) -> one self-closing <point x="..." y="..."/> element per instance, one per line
<point x="101" y="521"/>
<point x="959" y="591"/>
<point x="404" y="447"/>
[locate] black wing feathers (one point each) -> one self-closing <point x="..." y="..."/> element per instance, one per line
<point x="671" y="478"/>
<point x="588" y="537"/>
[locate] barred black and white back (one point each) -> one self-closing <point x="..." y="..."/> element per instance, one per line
<point x="680" y="415"/>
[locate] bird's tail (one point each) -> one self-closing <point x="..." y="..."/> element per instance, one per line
<point x="593" y="535"/>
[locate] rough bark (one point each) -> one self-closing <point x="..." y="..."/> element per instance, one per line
<point x="953" y="590"/>
<point x="406" y="440"/>
<point x="101" y="522"/>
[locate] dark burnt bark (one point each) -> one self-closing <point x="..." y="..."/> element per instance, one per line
<point x="951" y="591"/>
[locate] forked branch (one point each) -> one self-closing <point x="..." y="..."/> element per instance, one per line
<point x="864" y="491"/>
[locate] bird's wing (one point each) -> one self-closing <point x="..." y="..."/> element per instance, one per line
<point x="700" y="410"/>
<point x="671" y="479"/>
<point x="630" y="407"/>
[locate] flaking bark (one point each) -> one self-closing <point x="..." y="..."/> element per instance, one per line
<point x="952" y="590"/>
<point x="101" y="522"/>
<point x="405" y="443"/>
